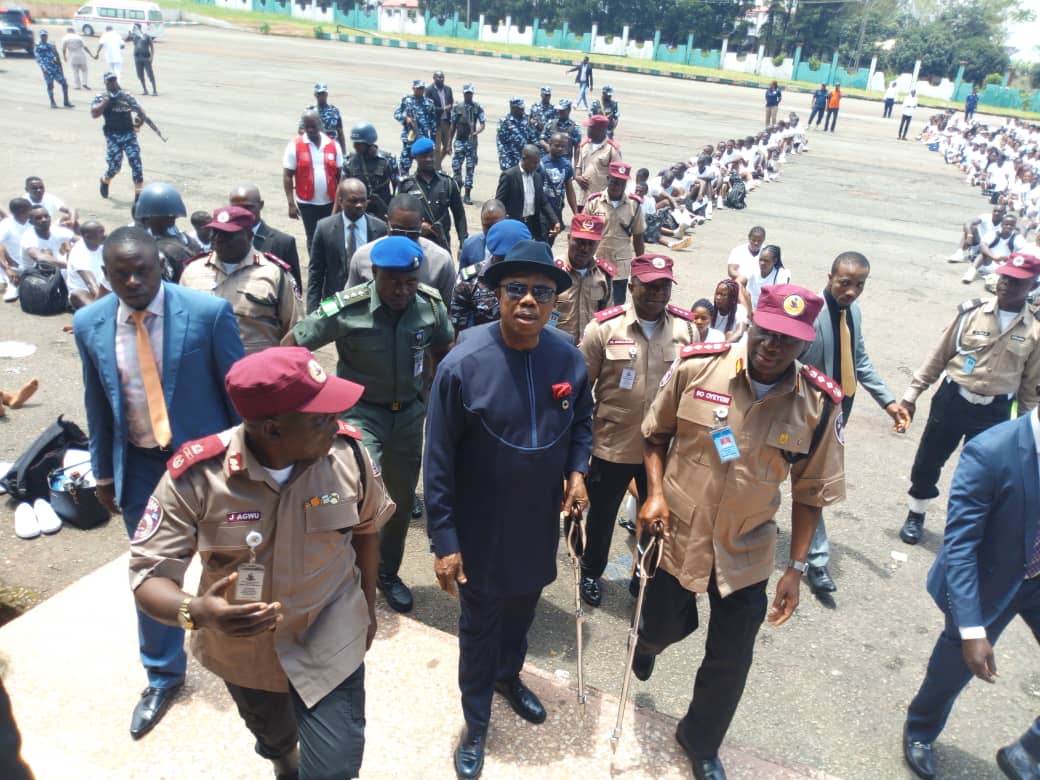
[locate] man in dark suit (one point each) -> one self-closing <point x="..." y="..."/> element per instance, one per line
<point x="522" y="190"/>
<point x="265" y="237"/>
<point x="987" y="572"/>
<point x="444" y="101"/>
<point x="840" y="352"/>
<point x="336" y="238"/>
<point x="135" y="345"/>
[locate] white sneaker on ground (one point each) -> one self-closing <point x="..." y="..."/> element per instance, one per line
<point x="969" y="276"/>
<point x="46" y="517"/>
<point x="25" y="524"/>
<point x="957" y="257"/>
<point x="11" y="294"/>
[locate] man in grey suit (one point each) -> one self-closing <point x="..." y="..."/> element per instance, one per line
<point x="838" y="351"/>
<point x="265" y="237"/>
<point x="337" y="238"/>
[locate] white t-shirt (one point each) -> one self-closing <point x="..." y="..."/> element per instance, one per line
<point x="112" y="43"/>
<point x="746" y="262"/>
<point x="909" y="104"/>
<point x="321" y="187"/>
<point x="714" y="335"/>
<point x="82" y="259"/>
<point x="892" y="92"/>
<point x="30" y="240"/>
<point x="756" y="282"/>
<point x="52" y="203"/>
<point x="11" y="233"/>
<point x="719" y="320"/>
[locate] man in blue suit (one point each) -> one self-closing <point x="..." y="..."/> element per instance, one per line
<point x="987" y="573"/>
<point x="839" y="351"/>
<point x="154" y="360"/>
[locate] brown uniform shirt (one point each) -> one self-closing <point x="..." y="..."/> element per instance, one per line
<point x="595" y="165"/>
<point x="621" y="223"/>
<point x="214" y="493"/>
<point x="588" y="293"/>
<point x="262" y="295"/>
<point x="976" y="355"/>
<point x="722" y="514"/>
<point x="614" y="344"/>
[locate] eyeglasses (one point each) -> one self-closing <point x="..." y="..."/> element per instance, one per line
<point x="398" y="231"/>
<point x="542" y="294"/>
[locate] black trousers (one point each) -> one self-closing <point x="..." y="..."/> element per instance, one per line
<point x="817" y="114"/>
<point x="889" y="102"/>
<point x="831" y="122"/>
<point x="670" y="615"/>
<point x="492" y="647"/>
<point x="310" y="214"/>
<point x="950" y="419"/>
<point x="947" y="673"/>
<point x="534" y="224"/>
<point x="144" y="68"/>
<point x="904" y="125"/>
<point x="331" y="733"/>
<point x="606" y="484"/>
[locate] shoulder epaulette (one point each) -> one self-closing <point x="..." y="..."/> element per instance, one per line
<point x="195" y="452"/>
<point x="594" y="196"/>
<point x="193" y="258"/>
<point x="286" y="269"/>
<point x="608" y="314"/>
<point x="705" y="349"/>
<point x="823" y="382"/>
<point x="471" y="271"/>
<point x="606" y="266"/>
<point x="346" y="429"/>
<point x="684" y="314"/>
<point x="332" y="305"/>
<point x="614" y="143"/>
<point x="432" y="292"/>
<point x="583" y="143"/>
<point x="636" y="198"/>
<point x="967" y="306"/>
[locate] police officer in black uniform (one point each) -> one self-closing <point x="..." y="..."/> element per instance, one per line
<point x="439" y="195"/>
<point x="377" y="169"/>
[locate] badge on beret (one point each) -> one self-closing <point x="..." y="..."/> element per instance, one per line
<point x="223" y="217"/>
<point x="588" y="224"/>
<point x="149" y="523"/>
<point x="1018" y="261"/>
<point x="316" y="371"/>
<point x="658" y="262"/>
<point x="794" y="305"/>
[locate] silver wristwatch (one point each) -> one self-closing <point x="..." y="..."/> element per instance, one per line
<point x="800" y="566"/>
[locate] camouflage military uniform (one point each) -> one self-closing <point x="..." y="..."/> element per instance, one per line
<point x="569" y="128"/>
<point x="513" y="135"/>
<point x="610" y="110"/>
<point x="465" y="117"/>
<point x="379" y="173"/>
<point x="424" y="114"/>
<point x="541" y="115"/>
<point x="472" y="302"/>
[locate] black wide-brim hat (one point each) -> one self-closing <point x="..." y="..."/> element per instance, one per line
<point x="528" y="256"/>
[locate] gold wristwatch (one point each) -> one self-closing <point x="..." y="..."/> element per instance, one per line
<point x="184" y="615"/>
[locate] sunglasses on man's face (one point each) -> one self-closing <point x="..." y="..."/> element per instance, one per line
<point x="516" y="291"/>
<point x="399" y="231"/>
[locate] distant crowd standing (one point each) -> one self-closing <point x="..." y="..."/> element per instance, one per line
<point x="533" y="369"/>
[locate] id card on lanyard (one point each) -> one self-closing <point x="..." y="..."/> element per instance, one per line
<point x="722" y="436"/>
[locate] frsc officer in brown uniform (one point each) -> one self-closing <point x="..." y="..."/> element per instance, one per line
<point x="284" y="511"/>
<point x="590" y="289"/>
<point x="259" y="286"/>
<point x="627" y="350"/>
<point x="728" y="426"/>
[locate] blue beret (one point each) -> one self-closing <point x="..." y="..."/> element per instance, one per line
<point x="563" y="104"/>
<point x="503" y="234"/>
<point x="397" y="253"/>
<point x="422" y="146"/>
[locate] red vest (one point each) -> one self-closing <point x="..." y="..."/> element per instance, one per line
<point x="305" y="169"/>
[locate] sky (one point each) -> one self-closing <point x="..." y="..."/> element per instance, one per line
<point x="1026" y="37"/>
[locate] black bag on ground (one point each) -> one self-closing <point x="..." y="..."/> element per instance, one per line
<point x="42" y="291"/>
<point x="735" y="198"/>
<point x="75" y="502"/>
<point x="29" y="477"/>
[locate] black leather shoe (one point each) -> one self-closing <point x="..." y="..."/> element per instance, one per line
<point x="627" y="524"/>
<point x="398" y="596"/>
<point x="643" y="665"/>
<point x="591" y="591"/>
<point x="103" y="188"/>
<point x="288" y="766"/>
<point x="1018" y="763"/>
<point x="703" y="768"/>
<point x="521" y="699"/>
<point x="149" y="710"/>
<point x="417" y="508"/>
<point x="919" y="757"/>
<point x="913" y="528"/>
<point x="469" y="755"/>
<point x="820" y="580"/>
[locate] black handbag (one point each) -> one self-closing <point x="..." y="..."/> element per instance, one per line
<point x="42" y="291"/>
<point x="28" y="478"/>
<point x="75" y="502"/>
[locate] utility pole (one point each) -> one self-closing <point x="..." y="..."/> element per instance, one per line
<point x="862" y="34"/>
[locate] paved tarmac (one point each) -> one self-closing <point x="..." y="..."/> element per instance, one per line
<point x="829" y="689"/>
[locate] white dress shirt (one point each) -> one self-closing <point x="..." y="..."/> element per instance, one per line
<point x="360" y="231"/>
<point x="135" y="403"/>
<point x="528" y="179"/>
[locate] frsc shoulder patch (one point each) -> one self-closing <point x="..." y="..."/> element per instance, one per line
<point x="823" y="382"/>
<point x="195" y="452"/>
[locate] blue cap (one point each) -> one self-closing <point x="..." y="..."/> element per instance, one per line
<point x="418" y="84"/>
<point x="422" y="146"/>
<point x="503" y="234"/>
<point x="397" y="253"/>
<point x="516" y="101"/>
<point x="468" y="87"/>
<point x="527" y="256"/>
<point x="563" y="104"/>
<point x="321" y="86"/>
<point x="546" y="90"/>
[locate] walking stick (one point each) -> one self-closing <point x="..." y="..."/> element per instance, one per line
<point x="648" y="558"/>
<point x="574" y="525"/>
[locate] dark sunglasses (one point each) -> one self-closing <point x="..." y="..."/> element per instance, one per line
<point x="541" y="293"/>
<point x="412" y="234"/>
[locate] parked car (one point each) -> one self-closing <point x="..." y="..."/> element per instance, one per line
<point x="15" y="34"/>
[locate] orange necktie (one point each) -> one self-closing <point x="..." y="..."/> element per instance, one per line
<point x="153" y="390"/>
<point x="848" y="366"/>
